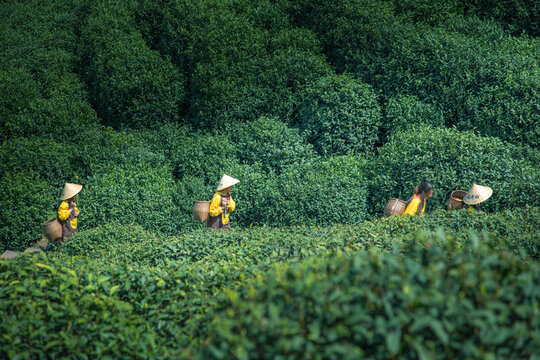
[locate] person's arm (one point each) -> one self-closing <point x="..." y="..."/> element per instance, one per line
<point x="420" y="209"/>
<point x="64" y="211"/>
<point x="232" y="205"/>
<point x="215" y="206"/>
<point x="412" y="208"/>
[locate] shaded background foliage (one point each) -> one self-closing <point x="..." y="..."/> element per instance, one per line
<point x="271" y="92"/>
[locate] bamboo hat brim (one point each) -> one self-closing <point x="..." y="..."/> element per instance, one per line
<point x="70" y="190"/>
<point x="477" y="194"/>
<point x="227" y="181"/>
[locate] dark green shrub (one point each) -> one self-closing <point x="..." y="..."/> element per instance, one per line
<point x="50" y="160"/>
<point x="406" y="112"/>
<point x="204" y="155"/>
<point x="271" y="143"/>
<point x="17" y="90"/>
<point x="243" y="59"/>
<point x="131" y="85"/>
<point x="517" y="16"/>
<point x="318" y="191"/>
<point x="52" y="311"/>
<point x="130" y="193"/>
<point x="340" y="116"/>
<point x="428" y="12"/>
<point x="26" y="201"/>
<point x="452" y="160"/>
<point x="435" y="302"/>
<point x="482" y="78"/>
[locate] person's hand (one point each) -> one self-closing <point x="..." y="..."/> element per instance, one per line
<point x="224" y="202"/>
<point x="76" y="212"/>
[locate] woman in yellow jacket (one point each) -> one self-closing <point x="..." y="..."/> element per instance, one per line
<point x="417" y="203"/>
<point x="68" y="211"/>
<point x="222" y="204"/>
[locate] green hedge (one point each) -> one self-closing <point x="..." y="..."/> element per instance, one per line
<point x="52" y="311"/>
<point x="26" y="201"/>
<point x="452" y="160"/>
<point x="116" y="243"/>
<point x="171" y="288"/>
<point x="134" y="192"/>
<point x="434" y="303"/>
<point x="481" y="77"/>
<point x="269" y="142"/>
<point x="242" y="59"/>
<point x="404" y="112"/>
<point x="318" y="191"/>
<point x="341" y="116"/>
<point x="130" y="84"/>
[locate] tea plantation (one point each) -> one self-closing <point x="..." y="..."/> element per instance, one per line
<point x="323" y="110"/>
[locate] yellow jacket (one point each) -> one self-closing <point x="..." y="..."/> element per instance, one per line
<point x="64" y="214"/>
<point x="215" y="207"/>
<point x="415" y="206"/>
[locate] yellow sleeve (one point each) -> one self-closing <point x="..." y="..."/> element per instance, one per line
<point x="412" y="208"/>
<point x="63" y="211"/>
<point x="215" y="206"/>
<point x="232" y="205"/>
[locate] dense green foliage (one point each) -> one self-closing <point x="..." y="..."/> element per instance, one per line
<point x="323" y="110"/>
<point x="451" y="160"/>
<point x="431" y="303"/>
<point x="482" y="78"/>
<point x="166" y="292"/>
<point x="130" y="84"/>
<point x="341" y="116"/>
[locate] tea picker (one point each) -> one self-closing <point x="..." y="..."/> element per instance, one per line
<point x="65" y="224"/>
<point x="475" y="196"/>
<point x="217" y="211"/>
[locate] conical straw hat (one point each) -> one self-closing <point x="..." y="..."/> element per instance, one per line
<point x="226" y="181"/>
<point x="70" y="190"/>
<point x="477" y="194"/>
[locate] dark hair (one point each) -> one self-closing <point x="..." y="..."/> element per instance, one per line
<point x="426" y="186"/>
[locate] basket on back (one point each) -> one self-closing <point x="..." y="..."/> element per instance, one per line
<point x="455" y="201"/>
<point x="52" y="229"/>
<point x="394" y="207"/>
<point x="201" y="210"/>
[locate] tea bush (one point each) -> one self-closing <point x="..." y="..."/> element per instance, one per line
<point x="517" y="16"/>
<point x="480" y="81"/>
<point x="119" y="195"/>
<point x="53" y="311"/>
<point x="432" y="303"/>
<point x="271" y="143"/>
<point x="26" y="201"/>
<point x="452" y="160"/>
<point x="340" y="116"/>
<point x="242" y="59"/>
<point x="114" y="243"/>
<point x="131" y="85"/>
<point x="198" y="154"/>
<point x="50" y="160"/>
<point x="317" y="191"/>
<point x="407" y="111"/>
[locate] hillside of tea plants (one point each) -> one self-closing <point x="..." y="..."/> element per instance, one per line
<point x="323" y="110"/>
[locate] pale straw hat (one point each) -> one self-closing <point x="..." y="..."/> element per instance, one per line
<point x="477" y="194"/>
<point x="70" y="190"/>
<point x="226" y="181"/>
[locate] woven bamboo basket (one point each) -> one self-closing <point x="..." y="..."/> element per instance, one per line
<point x="52" y="229"/>
<point x="455" y="201"/>
<point x="394" y="207"/>
<point x="201" y="210"/>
